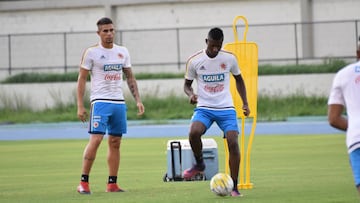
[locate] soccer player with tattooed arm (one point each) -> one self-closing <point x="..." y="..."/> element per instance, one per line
<point x="106" y="63"/>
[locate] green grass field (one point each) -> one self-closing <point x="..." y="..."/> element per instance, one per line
<point x="294" y="168"/>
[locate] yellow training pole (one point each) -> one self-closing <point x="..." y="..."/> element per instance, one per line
<point x="247" y="57"/>
<point x="242" y="152"/>
<point x="248" y="184"/>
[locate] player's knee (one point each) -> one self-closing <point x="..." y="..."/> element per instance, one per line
<point x="233" y="145"/>
<point x="234" y="149"/>
<point x="195" y="134"/>
<point x="114" y="143"/>
<point x="232" y="139"/>
<point x="96" y="140"/>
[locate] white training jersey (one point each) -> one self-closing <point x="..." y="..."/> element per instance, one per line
<point x="213" y="78"/>
<point x="106" y="68"/>
<point x="346" y="91"/>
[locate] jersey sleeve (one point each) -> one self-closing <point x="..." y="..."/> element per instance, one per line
<point x="336" y="94"/>
<point x="127" y="62"/>
<point x="190" y="72"/>
<point x="235" y="70"/>
<point x="86" y="60"/>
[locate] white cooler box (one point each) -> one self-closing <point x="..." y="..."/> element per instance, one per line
<point x="180" y="157"/>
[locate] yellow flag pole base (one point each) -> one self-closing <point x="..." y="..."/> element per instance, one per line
<point x="245" y="186"/>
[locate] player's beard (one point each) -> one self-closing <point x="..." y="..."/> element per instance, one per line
<point x="109" y="40"/>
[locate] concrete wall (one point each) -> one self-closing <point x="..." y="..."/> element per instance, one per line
<point x="76" y="16"/>
<point x="70" y="25"/>
<point x="41" y="96"/>
<point x="81" y="15"/>
<point x="36" y="16"/>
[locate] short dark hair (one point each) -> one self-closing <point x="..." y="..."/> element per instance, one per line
<point x="216" y="34"/>
<point x="104" y="21"/>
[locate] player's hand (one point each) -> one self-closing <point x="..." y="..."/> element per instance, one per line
<point x="82" y="114"/>
<point x="141" y="108"/>
<point x="193" y="99"/>
<point x="246" y="110"/>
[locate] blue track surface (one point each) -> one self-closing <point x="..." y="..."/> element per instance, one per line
<point x="78" y="130"/>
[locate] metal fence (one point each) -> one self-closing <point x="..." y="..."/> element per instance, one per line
<point x="164" y="50"/>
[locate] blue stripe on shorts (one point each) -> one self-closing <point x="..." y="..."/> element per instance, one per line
<point x="355" y="165"/>
<point x="108" y="117"/>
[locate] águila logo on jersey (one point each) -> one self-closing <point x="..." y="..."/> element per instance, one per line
<point x="214" y="78"/>
<point x="357" y="69"/>
<point x="112" y="67"/>
<point x="357" y="79"/>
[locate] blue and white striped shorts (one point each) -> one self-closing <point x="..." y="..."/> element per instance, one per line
<point x="108" y="116"/>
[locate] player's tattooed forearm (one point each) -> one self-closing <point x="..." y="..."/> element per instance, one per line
<point x="133" y="88"/>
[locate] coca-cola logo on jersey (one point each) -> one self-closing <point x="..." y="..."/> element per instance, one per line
<point x="214" y="89"/>
<point x="357" y="80"/>
<point x="115" y="76"/>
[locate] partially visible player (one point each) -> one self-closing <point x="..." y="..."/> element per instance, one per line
<point x="345" y="94"/>
<point x="106" y="62"/>
<point x="212" y="69"/>
<point x="358" y="50"/>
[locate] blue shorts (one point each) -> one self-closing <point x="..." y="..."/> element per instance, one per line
<point x="108" y="116"/>
<point x="225" y="119"/>
<point x="355" y="165"/>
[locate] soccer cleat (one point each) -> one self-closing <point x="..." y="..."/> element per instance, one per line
<point x="84" y="188"/>
<point x="235" y="193"/>
<point x="192" y="172"/>
<point x="113" y="187"/>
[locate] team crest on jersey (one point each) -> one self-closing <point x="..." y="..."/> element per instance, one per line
<point x="120" y="55"/>
<point x="223" y="66"/>
<point x="214" y="78"/>
<point x="96" y="124"/>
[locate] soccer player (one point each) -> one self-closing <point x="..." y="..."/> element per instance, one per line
<point x="105" y="62"/>
<point x="212" y="69"/>
<point x="345" y="94"/>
